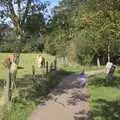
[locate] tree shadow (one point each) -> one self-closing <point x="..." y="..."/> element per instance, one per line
<point x="82" y="115"/>
<point x="78" y="97"/>
<point x="36" y="88"/>
<point x="71" y="82"/>
<point x="109" y="110"/>
<point x="68" y="83"/>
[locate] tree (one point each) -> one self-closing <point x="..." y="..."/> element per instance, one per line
<point x="92" y="25"/>
<point x="18" y="11"/>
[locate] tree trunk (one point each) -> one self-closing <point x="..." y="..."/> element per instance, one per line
<point x="108" y="57"/>
<point x="98" y="62"/>
<point x="108" y="52"/>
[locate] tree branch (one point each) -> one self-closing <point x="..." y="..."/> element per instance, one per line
<point x="26" y="11"/>
<point x="11" y="7"/>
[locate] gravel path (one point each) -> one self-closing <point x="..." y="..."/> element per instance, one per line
<point x="66" y="102"/>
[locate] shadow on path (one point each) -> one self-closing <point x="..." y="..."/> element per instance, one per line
<point x="70" y="96"/>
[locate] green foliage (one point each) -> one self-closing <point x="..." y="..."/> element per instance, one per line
<point x="35" y="23"/>
<point x="30" y="43"/>
<point x="9" y="42"/>
<point x="91" y="25"/>
<point x="56" y="44"/>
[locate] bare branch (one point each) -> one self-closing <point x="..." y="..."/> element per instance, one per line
<point x="26" y="10"/>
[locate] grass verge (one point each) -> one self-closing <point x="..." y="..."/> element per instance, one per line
<point x="105" y="97"/>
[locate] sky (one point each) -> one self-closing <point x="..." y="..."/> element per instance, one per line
<point x="53" y="3"/>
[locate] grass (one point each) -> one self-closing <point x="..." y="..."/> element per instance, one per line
<point x="18" y="110"/>
<point x="26" y="61"/>
<point x="79" y="68"/>
<point x="105" y="97"/>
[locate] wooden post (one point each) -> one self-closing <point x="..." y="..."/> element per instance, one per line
<point x="44" y="64"/>
<point x="111" y="72"/>
<point x="33" y="72"/>
<point x="47" y="69"/>
<point x="55" y="65"/>
<point x="51" y="67"/>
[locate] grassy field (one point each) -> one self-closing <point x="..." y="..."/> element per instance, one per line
<point x="105" y="97"/>
<point x="26" y="61"/>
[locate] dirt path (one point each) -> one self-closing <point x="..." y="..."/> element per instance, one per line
<point x="66" y="102"/>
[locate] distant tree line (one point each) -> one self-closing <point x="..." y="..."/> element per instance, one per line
<point x="87" y="32"/>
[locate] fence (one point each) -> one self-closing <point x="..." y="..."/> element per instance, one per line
<point x="48" y="68"/>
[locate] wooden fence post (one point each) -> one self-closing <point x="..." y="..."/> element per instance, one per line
<point x="51" y="67"/>
<point x="33" y="72"/>
<point x="55" y="65"/>
<point x="47" y="69"/>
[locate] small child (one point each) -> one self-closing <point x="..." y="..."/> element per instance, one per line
<point x="82" y="79"/>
